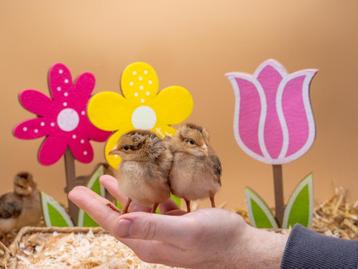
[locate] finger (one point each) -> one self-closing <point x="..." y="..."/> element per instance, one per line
<point x="111" y="185"/>
<point x="96" y="206"/>
<point x="176" y="230"/>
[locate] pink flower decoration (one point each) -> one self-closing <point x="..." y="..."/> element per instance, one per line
<point x="273" y="117"/>
<point x="62" y="118"/>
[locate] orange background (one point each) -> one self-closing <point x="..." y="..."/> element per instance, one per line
<point x="190" y="43"/>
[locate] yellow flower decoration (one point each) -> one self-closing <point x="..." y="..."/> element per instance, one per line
<point x="140" y="107"/>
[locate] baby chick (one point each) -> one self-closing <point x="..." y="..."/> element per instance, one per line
<point x="144" y="170"/>
<point x="196" y="169"/>
<point x="22" y="207"/>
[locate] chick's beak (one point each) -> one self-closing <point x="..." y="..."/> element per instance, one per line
<point x="114" y="152"/>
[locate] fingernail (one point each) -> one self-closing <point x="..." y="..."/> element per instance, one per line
<point x="123" y="228"/>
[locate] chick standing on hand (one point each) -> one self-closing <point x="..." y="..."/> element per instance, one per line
<point x="144" y="170"/>
<point x="21" y="207"/>
<point x="196" y="169"/>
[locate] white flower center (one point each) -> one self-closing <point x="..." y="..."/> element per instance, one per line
<point x="144" y="117"/>
<point x="68" y="119"/>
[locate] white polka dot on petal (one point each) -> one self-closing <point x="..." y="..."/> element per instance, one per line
<point x="24" y="129"/>
<point x="145" y="72"/>
<point x="85" y="153"/>
<point x="150" y="82"/>
<point x="82" y="141"/>
<point x="142" y="100"/>
<point x="136" y="94"/>
<point x="60" y="71"/>
<point x="59" y="88"/>
<point x="134" y="73"/>
<point x="140" y="78"/>
<point x="141" y="87"/>
<point x="65" y="94"/>
<point x="42" y="124"/>
<point x="36" y="131"/>
<point x="66" y="81"/>
<point x="131" y="83"/>
<point x="83" y="112"/>
<point x="52" y="124"/>
<point x="65" y="104"/>
<point x="74" y="136"/>
<point x="147" y="93"/>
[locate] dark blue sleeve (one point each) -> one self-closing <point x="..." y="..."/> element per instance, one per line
<point x="309" y="250"/>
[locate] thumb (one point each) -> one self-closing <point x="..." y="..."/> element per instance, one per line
<point x="176" y="230"/>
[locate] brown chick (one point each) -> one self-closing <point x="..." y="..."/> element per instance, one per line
<point x="144" y="170"/>
<point x="196" y="169"/>
<point x="22" y="207"/>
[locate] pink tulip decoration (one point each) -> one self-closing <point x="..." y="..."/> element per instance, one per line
<point x="62" y="120"/>
<point x="273" y="120"/>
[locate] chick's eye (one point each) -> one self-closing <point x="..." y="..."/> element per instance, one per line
<point x="126" y="147"/>
<point x="190" y="141"/>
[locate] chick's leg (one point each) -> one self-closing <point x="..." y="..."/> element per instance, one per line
<point x="187" y="202"/>
<point x="212" y="200"/>
<point x="125" y="209"/>
<point x="154" y="208"/>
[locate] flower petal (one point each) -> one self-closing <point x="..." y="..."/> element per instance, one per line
<point x="164" y="130"/>
<point x="139" y="80"/>
<point x="32" y="129"/>
<point x="269" y="74"/>
<point x="93" y="132"/>
<point x="84" y="86"/>
<point x="60" y="81"/>
<point x="173" y="105"/>
<point x="248" y="111"/>
<point x="81" y="149"/>
<point x="115" y="160"/>
<point x="108" y="110"/>
<point x="270" y="77"/>
<point x="52" y="149"/>
<point x="35" y="102"/>
<point x="297" y="112"/>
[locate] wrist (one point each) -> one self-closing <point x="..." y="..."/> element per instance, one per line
<point x="260" y="249"/>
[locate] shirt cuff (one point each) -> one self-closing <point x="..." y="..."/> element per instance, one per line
<point x="307" y="249"/>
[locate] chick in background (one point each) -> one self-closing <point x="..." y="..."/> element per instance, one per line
<point x="22" y="207"/>
<point x="196" y="169"/>
<point x="144" y="170"/>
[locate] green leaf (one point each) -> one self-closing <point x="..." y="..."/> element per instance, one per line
<point x="118" y="205"/>
<point x="299" y="208"/>
<point x="259" y="213"/>
<point x="54" y="214"/>
<point x="84" y="220"/>
<point x="176" y="200"/>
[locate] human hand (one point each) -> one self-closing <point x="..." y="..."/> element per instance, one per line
<point x="206" y="238"/>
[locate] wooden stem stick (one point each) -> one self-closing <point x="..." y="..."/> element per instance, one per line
<point x="278" y="188"/>
<point x="70" y="171"/>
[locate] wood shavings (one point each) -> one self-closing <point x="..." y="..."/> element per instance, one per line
<point x="4" y="255"/>
<point x="336" y="217"/>
<point x="76" y="250"/>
